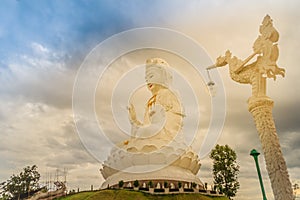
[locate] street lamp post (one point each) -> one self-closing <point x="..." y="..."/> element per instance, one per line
<point x="265" y="49"/>
<point x="255" y="155"/>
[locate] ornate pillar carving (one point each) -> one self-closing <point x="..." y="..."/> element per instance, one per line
<point x="265" y="48"/>
<point x="261" y="109"/>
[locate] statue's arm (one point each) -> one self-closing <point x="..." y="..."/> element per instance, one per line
<point x="158" y="118"/>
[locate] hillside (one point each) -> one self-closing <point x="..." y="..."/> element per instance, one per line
<point x="130" y="195"/>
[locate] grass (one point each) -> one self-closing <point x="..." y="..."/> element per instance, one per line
<point x="136" y="195"/>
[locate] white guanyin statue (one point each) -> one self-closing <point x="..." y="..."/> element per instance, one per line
<point x="156" y="149"/>
<point x="163" y="114"/>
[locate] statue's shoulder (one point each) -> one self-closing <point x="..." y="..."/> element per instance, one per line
<point x="166" y="94"/>
<point x="168" y="99"/>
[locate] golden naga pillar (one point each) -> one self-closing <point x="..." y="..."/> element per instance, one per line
<point x="266" y="51"/>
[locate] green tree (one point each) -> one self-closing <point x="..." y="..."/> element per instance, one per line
<point x="21" y="184"/>
<point x="225" y="170"/>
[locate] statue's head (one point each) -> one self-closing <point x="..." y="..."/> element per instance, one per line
<point x="157" y="74"/>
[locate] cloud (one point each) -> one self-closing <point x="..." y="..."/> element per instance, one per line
<point x="36" y="118"/>
<point x="42" y="135"/>
<point x="40" y="77"/>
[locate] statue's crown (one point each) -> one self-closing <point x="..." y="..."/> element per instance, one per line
<point x="156" y="62"/>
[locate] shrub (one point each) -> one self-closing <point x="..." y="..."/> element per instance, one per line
<point x="165" y="184"/>
<point x="150" y="184"/>
<point x="136" y="183"/>
<point x="179" y="184"/>
<point x="121" y="183"/>
<point x="194" y="185"/>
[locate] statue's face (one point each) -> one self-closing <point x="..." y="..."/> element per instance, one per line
<point x="154" y="79"/>
<point x="153" y="75"/>
<point x="154" y="88"/>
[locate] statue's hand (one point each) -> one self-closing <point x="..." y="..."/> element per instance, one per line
<point x="221" y="61"/>
<point x="132" y="114"/>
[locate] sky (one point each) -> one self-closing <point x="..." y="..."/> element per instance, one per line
<point x="44" y="43"/>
